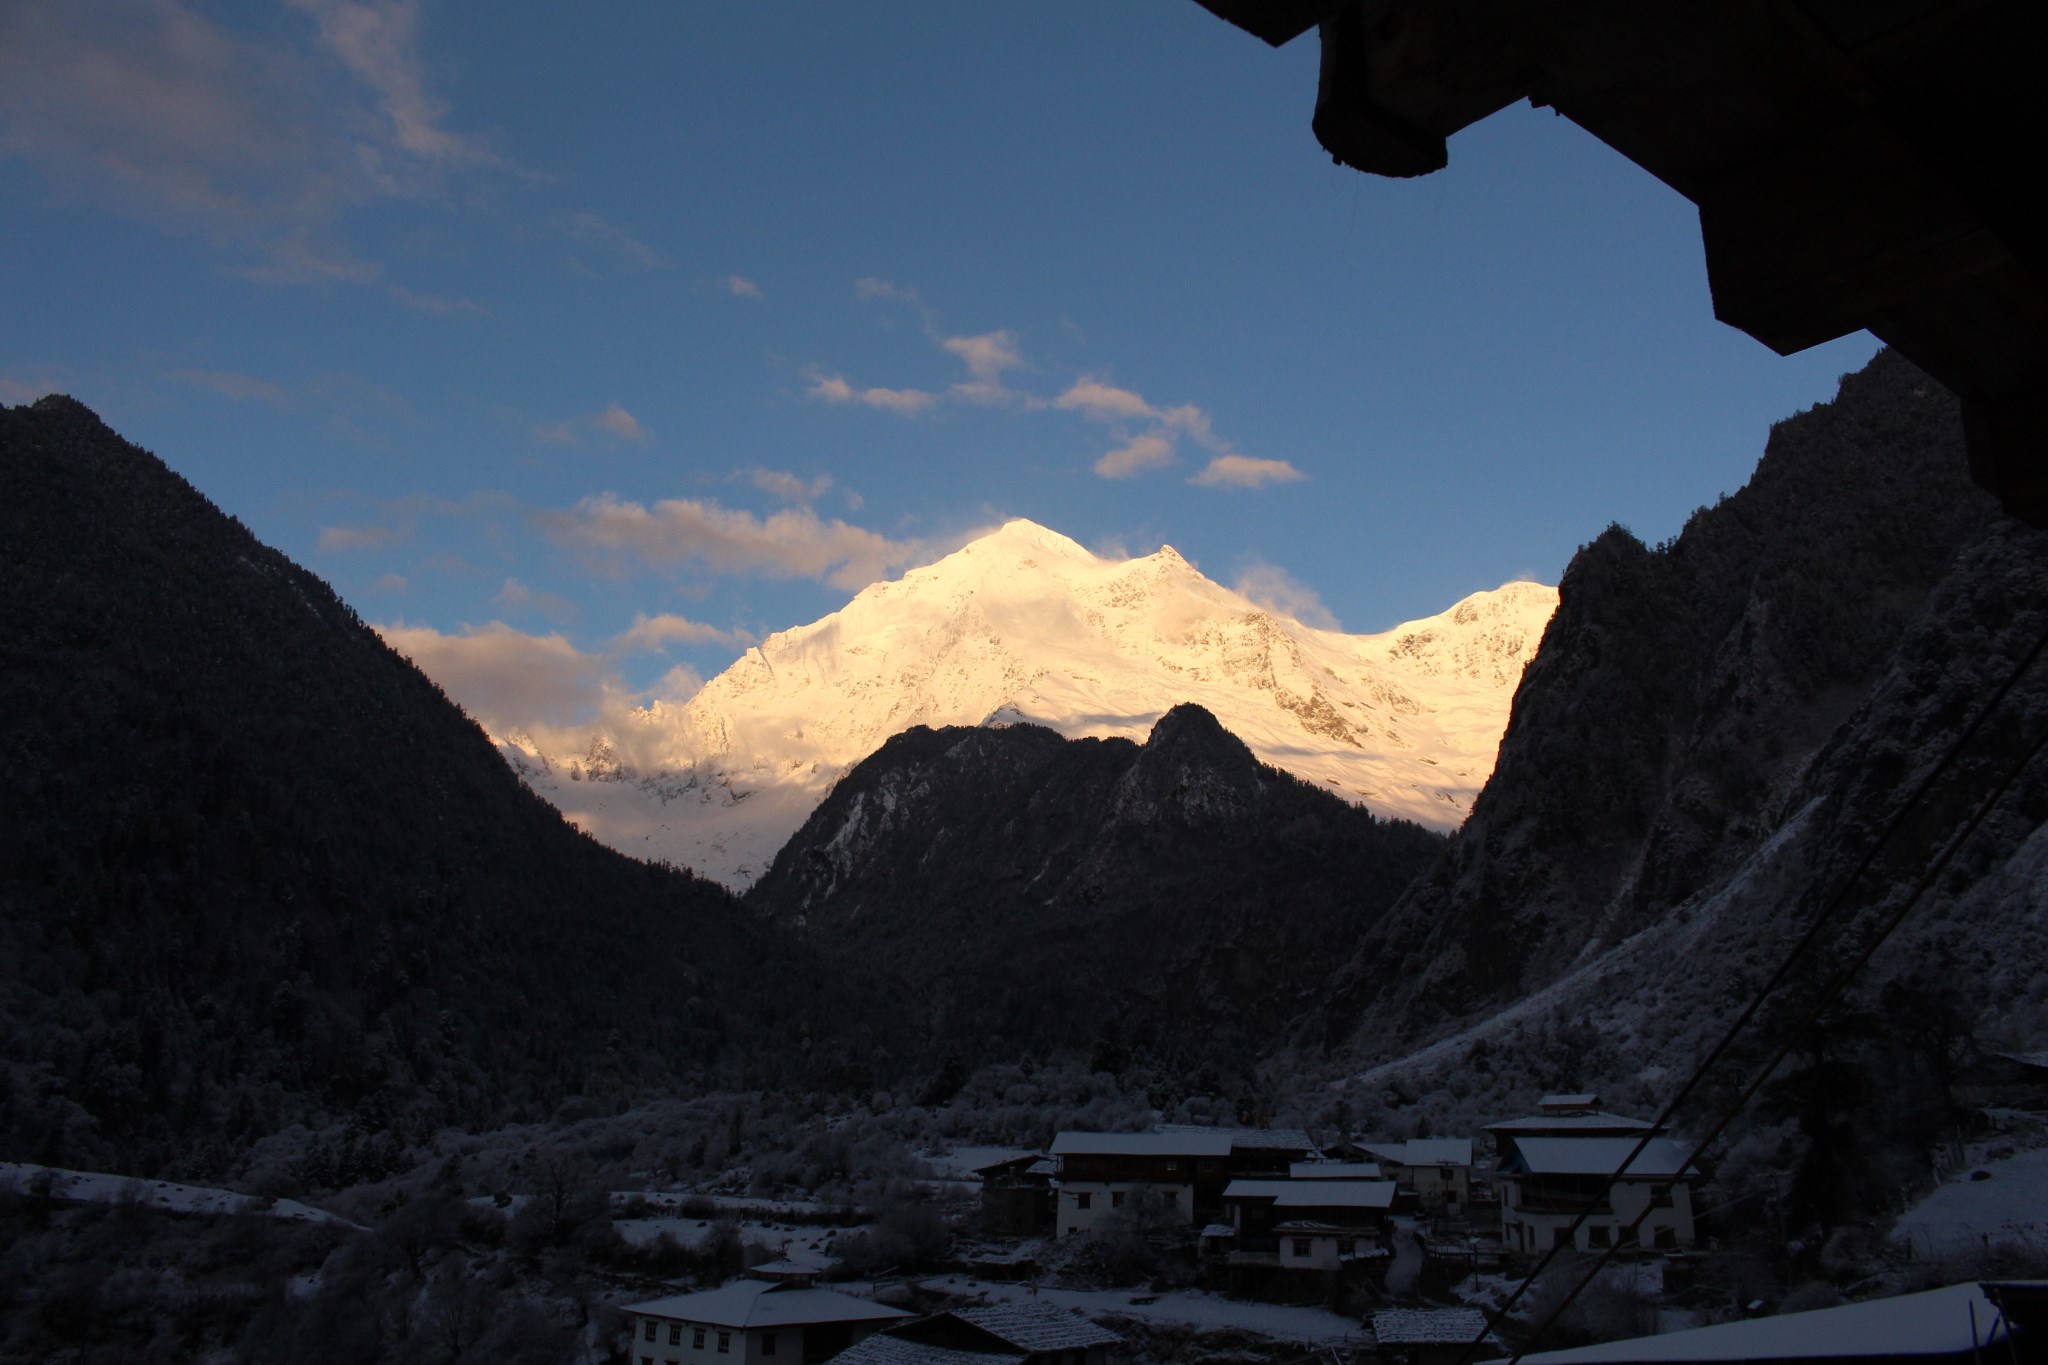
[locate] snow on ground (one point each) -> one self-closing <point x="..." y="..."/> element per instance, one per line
<point x="2009" y="1209"/>
<point x="799" y="1241"/>
<point x="1184" y="1308"/>
<point x="98" y="1187"/>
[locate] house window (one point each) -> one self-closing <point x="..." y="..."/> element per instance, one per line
<point x="648" y="1324"/>
<point x="1302" y="1247"/>
<point x="1116" y="1199"/>
<point x="1081" y="1201"/>
<point x="724" y="1342"/>
<point x="675" y="1334"/>
<point x="767" y="1343"/>
<point x="697" y="1338"/>
<point x="1346" y="1245"/>
<point x="1173" y="1165"/>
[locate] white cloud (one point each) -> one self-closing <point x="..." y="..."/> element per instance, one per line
<point x="834" y="389"/>
<point x="988" y="355"/>
<point x="677" y="686"/>
<point x="335" y="539"/>
<point x="792" y="543"/>
<point x="1142" y="453"/>
<point x="506" y="678"/>
<point x="1272" y="587"/>
<point x="613" y="421"/>
<point x="437" y="305"/>
<point x="740" y="287"/>
<point x="869" y="287"/>
<point x="653" y="634"/>
<point x="376" y="41"/>
<point x="622" y="424"/>
<point x="1245" y="471"/>
<point x="517" y="598"/>
<point x="391" y="582"/>
<point x="228" y="384"/>
<point x="261" y="146"/>
<point x="1103" y="402"/>
<point x="789" y="487"/>
<point x="589" y="229"/>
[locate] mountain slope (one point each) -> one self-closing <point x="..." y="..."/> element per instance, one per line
<point x="1709" y="736"/>
<point x="1025" y="624"/>
<point x="1178" y="899"/>
<point x="224" y="916"/>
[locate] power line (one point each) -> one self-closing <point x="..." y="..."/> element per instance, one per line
<point x="1569" y="1235"/>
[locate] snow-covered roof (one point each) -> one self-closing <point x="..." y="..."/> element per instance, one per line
<point x="1038" y="1327"/>
<point x="1336" y="1194"/>
<point x="1428" y="1326"/>
<point x="1272" y="1139"/>
<point x="1599" y="1121"/>
<point x="1424" y="1151"/>
<point x="1219" y="1230"/>
<point x="1199" y="1142"/>
<point x="1257" y="1189"/>
<point x="1933" y="1323"/>
<point x="758" y="1303"/>
<point x="1596" y="1156"/>
<point x="1333" y="1170"/>
<point x="1022" y="1161"/>
<point x="883" y="1348"/>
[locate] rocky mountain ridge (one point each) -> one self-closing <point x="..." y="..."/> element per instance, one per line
<point x="1038" y="893"/>
<point x="1024" y="624"/>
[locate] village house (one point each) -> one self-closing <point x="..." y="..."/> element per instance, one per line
<point x="1100" y="1174"/>
<point x="753" y="1322"/>
<point x="1547" y="1182"/>
<point x="1437" y="1171"/>
<point x="993" y="1334"/>
<point x="1017" y="1196"/>
<point x="1304" y="1224"/>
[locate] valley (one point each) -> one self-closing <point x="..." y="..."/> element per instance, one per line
<point x="535" y="1082"/>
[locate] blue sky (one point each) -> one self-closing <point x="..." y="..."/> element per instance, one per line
<point x="609" y="337"/>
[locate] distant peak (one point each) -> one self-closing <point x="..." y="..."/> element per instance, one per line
<point x="1021" y="534"/>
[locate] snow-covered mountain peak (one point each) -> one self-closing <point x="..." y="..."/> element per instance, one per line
<point x="1025" y="624"/>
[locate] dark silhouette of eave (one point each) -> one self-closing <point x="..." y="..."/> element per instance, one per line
<point x="1857" y="164"/>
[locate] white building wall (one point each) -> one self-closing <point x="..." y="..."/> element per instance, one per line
<point x="1100" y="1197"/>
<point x="1533" y="1230"/>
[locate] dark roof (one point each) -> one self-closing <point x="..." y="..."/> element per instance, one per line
<point x="886" y="1348"/>
<point x="757" y="1303"/>
<point x="1038" y="1327"/>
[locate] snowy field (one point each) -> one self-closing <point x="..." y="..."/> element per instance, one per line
<point x="2010" y="1209"/>
<point x="799" y="1242"/>
<point x="1183" y="1308"/>
<point x="97" y="1187"/>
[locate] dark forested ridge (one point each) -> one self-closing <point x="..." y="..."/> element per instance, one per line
<point x="1177" y="901"/>
<point x="1684" y="700"/>
<point x="256" y="869"/>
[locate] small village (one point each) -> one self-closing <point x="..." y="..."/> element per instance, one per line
<point x="1119" y="1246"/>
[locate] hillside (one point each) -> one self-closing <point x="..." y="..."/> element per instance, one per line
<point x="1024" y="624"/>
<point x="1176" y="900"/>
<point x="258" y="871"/>
<point x="1713" y="732"/>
